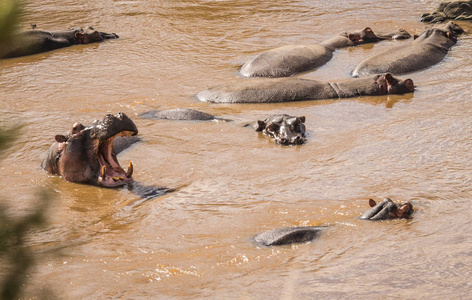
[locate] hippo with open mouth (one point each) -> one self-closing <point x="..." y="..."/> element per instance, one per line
<point x="385" y="210"/>
<point x="87" y="154"/>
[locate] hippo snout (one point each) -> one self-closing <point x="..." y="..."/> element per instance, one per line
<point x="105" y="35"/>
<point x="297" y="140"/>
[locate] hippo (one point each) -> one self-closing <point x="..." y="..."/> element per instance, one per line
<point x="449" y="27"/>
<point x="293" y="59"/>
<point x="87" y="155"/>
<point x="38" y="41"/>
<point x="426" y="50"/>
<point x="265" y="90"/>
<point x="456" y="10"/>
<point x="285" y="129"/>
<point x="289" y="235"/>
<point x="178" y="114"/>
<point x="385" y="210"/>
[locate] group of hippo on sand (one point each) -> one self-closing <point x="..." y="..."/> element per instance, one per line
<point x="87" y="154"/>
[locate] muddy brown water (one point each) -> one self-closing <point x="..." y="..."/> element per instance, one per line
<point x="232" y="182"/>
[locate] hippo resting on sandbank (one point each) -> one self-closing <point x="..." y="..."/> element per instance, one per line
<point x="385" y="210"/>
<point x="456" y="10"/>
<point x="293" y="59"/>
<point x="285" y="129"/>
<point x="38" y="41"/>
<point x="265" y="90"/>
<point x="87" y="154"/>
<point x="425" y="51"/>
<point x="178" y="114"/>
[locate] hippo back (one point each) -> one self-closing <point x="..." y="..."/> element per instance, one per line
<point x="289" y="235"/>
<point x="286" y="61"/>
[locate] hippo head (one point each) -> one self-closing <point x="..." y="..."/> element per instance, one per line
<point x="451" y="27"/>
<point x="363" y="36"/>
<point x="89" y="35"/>
<point x="388" y="84"/>
<point x="444" y="38"/>
<point x="86" y="154"/>
<point x="387" y="209"/>
<point x="285" y="129"/>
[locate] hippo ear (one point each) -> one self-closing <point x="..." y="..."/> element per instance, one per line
<point x="355" y="38"/>
<point x="369" y="32"/>
<point x="415" y="36"/>
<point x="259" y="126"/>
<point x="96" y="36"/>
<point x="79" y="36"/>
<point x="60" y="138"/>
<point x="410" y="86"/>
<point x="451" y="36"/>
<point x="390" y="79"/>
<point x="372" y="203"/>
<point x="302" y="119"/>
<point x="404" y="210"/>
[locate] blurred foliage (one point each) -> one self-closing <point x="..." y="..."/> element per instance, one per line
<point x="9" y="14"/>
<point x="15" y="256"/>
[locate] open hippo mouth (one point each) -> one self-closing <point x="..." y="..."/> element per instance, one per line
<point x="111" y="174"/>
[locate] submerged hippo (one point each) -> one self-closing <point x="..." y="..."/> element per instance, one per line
<point x="428" y="49"/>
<point x="87" y="155"/>
<point x="264" y="90"/>
<point x="385" y="210"/>
<point x="38" y="41"/>
<point x="289" y="235"/>
<point x="456" y="10"/>
<point x="178" y="114"/>
<point x="293" y="59"/>
<point x="285" y="129"/>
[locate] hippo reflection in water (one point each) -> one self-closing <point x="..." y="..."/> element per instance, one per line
<point x="293" y="59"/>
<point x="87" y="154"/>
<point x="285" y="129"/>
<point x="38" y="41"/>
<point x="266" y="90"/>
<point x="385" y="210"/>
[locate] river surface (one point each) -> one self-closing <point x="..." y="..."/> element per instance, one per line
<point x="231" y="182"/>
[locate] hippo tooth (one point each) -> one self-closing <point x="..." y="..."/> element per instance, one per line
<point x="130" y="170"/>
<point x="116" y="178"/>
<point x="103" y="172"/>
